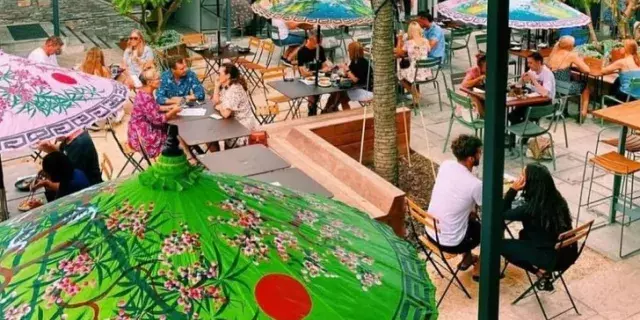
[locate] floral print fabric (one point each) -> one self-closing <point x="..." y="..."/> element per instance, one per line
<point x="170" y="88"/>
<point x="415" y="52"/>
<point x="147" y="125"/>
<point x="235" y="98"/>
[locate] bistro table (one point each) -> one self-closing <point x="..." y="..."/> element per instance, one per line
<point x="628" y="116"/>
<point x="209" y="110"/>
<point x="294" y="179"/>
<point x="202" y="131"/>
<point x="297" y="90"/>
<point x="245" y="161"/>
<point x="213" y="58"/>
<point x="512" y="103"/>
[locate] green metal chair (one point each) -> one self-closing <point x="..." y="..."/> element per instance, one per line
<point x="473" y="123"/>
<point x="433" y="64"/>
<point x="459" y="40"/>
<point x="530" y="129"/>
<point x="563" y="93"/>
<point x="337" y="34"/>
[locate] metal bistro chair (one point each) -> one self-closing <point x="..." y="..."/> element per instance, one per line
<point x="253" y="69"/>
<point x="530" y="129"/>
<point x="429" y="222"/>
<point x="618" y="165"/>
<point x="563" y="93"/>
<point x="565" y="240"/>
<point x="106" y="167"/>
<point x="274" y="101"/>
<point x="433" y="64"/>
<point x="128" y="153"/>
<point x="459" y="40"/>
<point x="473" y="123"/>
<point x="338" y="35"/>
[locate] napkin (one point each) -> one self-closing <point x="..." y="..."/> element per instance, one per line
<point x="532" y="95"/>
<point x="193" y="112"/>
<point x="215" y="116"/>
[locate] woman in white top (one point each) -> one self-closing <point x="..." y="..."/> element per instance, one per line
<point x="137" y="57"/>
<point x="415" y="48"/>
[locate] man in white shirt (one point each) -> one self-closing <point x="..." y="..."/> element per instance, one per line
<point x="456" y="194"/>
<point x="47" y="54"/>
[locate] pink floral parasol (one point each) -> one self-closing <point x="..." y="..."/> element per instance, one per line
<point x="40" y="102"/>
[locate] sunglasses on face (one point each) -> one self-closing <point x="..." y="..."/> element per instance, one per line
<point x="134" y="38"/>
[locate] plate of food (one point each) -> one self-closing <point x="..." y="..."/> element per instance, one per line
<point x="324" y="79"/>
<point x="30" y="204"/>
<point x="324" y="83"/>
<point x="24" y="183"/>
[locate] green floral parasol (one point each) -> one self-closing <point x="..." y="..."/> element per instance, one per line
<point x="177" y="243"/>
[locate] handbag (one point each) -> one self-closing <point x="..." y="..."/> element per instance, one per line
<point x="259" y="137"/>
<point x="405" y="63"/>
<point x="539" y="149"/>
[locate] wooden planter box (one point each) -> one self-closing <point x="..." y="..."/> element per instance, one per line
<point x="327" y="148"/>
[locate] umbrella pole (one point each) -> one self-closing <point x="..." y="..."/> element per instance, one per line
<point x="4" y="212"/>
<point x="318" y="54"/>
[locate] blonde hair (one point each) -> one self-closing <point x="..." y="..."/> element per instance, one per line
<point x="94" y="63"/>
<point x="566" y="43"/>
<point x="355" y="51"/>
<point x="149" y="74"/>
<point x="414" y="30"/>
<point x="631" y="48"/>
<point x="141" y="44"/>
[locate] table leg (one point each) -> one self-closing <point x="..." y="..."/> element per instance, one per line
<point x="617" y="179"/>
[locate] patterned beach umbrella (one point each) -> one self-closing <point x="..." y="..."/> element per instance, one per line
<point x="177" y="243"/>
<point x="42" y="102"/>
<point x="523" y="14"/>
<point x="317" y="12"/>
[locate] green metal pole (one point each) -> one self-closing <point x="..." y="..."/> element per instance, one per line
<point x="492" y="221"/>
<point x="228" y="12"/>
<point x="56" y="17"/>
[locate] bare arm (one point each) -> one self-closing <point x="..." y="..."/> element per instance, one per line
<point x="612" y="68"/>
<point x="580" y="64"/>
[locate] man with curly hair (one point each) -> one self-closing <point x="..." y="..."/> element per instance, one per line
<point x="456" y="194"/>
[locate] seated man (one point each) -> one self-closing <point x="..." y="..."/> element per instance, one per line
<point x="179" y="83"/>
<point x="81" y="151"/>
<point x="304" y="56"/>
<point x="434" y="34"/>
<point x="539" y="79"/>
<point x="48" y="53"/>
<point x="455" y="195"/>
<point x="282" y="37"/>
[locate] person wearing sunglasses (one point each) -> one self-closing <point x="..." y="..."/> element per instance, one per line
<point x="137" y="57"/>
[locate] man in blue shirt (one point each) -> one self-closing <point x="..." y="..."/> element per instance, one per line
<point x="433" y="33"/>
<point x="179" y="83"/>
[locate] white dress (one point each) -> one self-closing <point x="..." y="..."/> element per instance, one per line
<point x="415" y="52"/>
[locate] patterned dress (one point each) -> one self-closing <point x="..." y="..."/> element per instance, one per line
<point x="235" y="98"/>
<point x="415" y="52"/>
<point x="147" y="125"/>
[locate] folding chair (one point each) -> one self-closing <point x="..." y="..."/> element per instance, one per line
<point x="252" y="69"/>
<point x="473" y="122"/>
<point x="430" y="222"/>
<point x="530" y="129"/>
<point x="128" y="153"/>
<point x="565" y="240"/>
<point x="459" y="41"/>
<point x="274" y="101"/>
<point x="106" y="167"/>
<point x="265" y="114"/>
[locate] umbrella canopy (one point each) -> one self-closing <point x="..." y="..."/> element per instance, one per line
<point x="630" y="83"/>
<point x="523" y="14"/>
<point x="40" y="102"/>
<point x="317" y="12"/>
<point x="177" y="243"/>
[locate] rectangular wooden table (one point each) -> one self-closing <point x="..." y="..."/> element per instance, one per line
<point x="294" y="179"/>
<point x="512" y="103"/>
<point x="628" y="116"/>
<point x="245" y="161"/>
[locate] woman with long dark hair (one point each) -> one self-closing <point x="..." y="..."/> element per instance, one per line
<point x="544" y="216"/>
<point x="230" y="98"/>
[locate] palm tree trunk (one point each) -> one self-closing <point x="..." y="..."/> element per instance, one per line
<point x="592" y="31"/>
<point x="385" y="158"/>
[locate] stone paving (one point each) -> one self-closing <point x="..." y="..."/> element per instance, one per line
<point x="604" y="286"/>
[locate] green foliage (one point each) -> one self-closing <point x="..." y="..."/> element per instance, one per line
<point x="582" y="4"/>
<point x="154" y="16"/>
<point x="168" y="39"/>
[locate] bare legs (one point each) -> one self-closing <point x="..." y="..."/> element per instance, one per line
<point x="584" y="108"/>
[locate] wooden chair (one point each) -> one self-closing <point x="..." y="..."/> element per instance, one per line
<point x="430" y="223"/>
<point x="565" y="240"/>
<point x="274" y="101"/>
<point x="265" y="114"/>
<point x="106" y="167"/>
<point x="254" y="45"/>
<point x="252" y="69"/>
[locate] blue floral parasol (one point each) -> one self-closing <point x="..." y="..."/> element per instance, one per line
<point x="317" y="12"/>
<point x="523" y="14"/>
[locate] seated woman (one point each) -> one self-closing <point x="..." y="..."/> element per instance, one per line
<point x="415" y="48"/>
<point x="561" y="59"/>
<point x="61" y="179"/>
<point x="137" y="57"/>
<point x="93" y="64"/>
<point x="544" y="216"/>
<point x="631" y="61"/>
<point x="231" y="99"/>
<point x="147" y="124"/>
<point x="475" y="78"/>
<point x="360" y="73"/>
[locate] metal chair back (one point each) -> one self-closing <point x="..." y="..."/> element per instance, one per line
<point x="433" y="64"/>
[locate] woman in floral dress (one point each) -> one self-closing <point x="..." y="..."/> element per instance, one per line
<point x="416" y="47"/>
<point x="147" y="126"/>
<point x="231" y="100"/>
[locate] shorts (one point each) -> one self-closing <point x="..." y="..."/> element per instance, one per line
<point x="470" y="241"/>
<point x="359" y="95"/>
<point x="291" y="40"/>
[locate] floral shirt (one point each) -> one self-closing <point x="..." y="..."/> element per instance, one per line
<point x="170" y="88"/>
<point x="236" y="99"/>
<point x="147" y="125"/>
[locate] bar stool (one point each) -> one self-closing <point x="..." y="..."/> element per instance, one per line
<point x="615" y="164"/>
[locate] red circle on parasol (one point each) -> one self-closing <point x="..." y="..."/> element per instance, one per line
<point x="63" y="78"/>
<point x="282" y="297"/>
